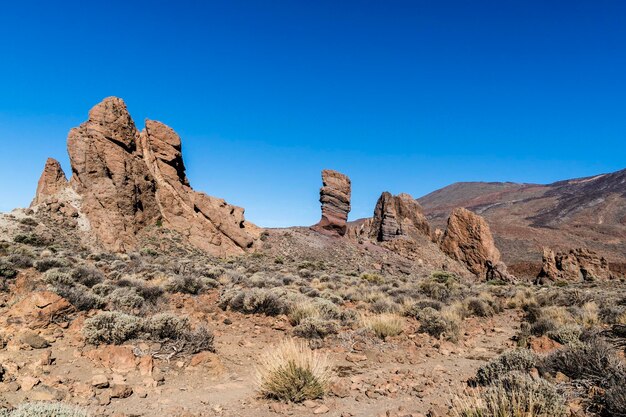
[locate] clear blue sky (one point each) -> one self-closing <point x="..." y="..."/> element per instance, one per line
<point x="404" y="96"/>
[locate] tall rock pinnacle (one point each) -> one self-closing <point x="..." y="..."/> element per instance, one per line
<point x="335" y="199"/>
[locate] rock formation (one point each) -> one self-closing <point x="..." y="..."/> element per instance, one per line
<point x="128" y="180"/>
<point x="51" y="182"/>
<point x="577" y="265"/>
<point x="467" y="239"/>
<point x="398" y="216"/>
<point x="335" y="199"/>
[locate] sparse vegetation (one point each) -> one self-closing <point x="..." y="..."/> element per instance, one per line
<point x="384" y="325"/>
<point x="293" y="372"/>
<point x="47" y="409"/>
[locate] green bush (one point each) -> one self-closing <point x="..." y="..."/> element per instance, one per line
<point x="256" y="301"/>
<point x="185" y="284"/>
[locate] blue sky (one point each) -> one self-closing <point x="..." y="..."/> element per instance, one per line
<point x="403" y="96"/>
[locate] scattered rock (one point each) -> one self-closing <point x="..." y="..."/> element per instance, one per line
<point x="121" y="391"/>
<point x="322" y="409"/>
<point x="100" y="381"/>
<point x="33" y="340"/>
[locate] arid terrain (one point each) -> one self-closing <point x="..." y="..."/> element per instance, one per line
<point x="125" y="292"/>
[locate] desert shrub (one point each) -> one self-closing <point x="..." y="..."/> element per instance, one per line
<point x="612" y="314"/>
<point x="185" y="284"/>
<point x="125" y="299"/>
<point x="293" y="372"/>
<point x="79" y="296"/>
<point x="444" y="323"/>
<point x="30" y="239"/>
<point x="384" y="325"/>
<point x="521" y="360"/>
<point x="255" y="301"/>
<point x="29" y="221"/>
<point x="444" y="276"/>
<point x="513" y="395"/>
<point x="384" y="305"/>
<point x="593" y="360"/>
<point x="615" y="400"/>
<point x="44" y="265"/>
<point x="166" y="326"/>
<point x="440" y="291"/>
<point x="373" y="278"/>
<point x="309" y="291"/>
<point x="315" y="328"/>
<point x="88" y="276"/>
<point x="414" y="309"/>
<point x="301" y="311"/>
<point x="150" y="293"/>
<point x="47" y="409"/>
<point x="104" y="288"/>
<point x="21" y="260"/>
<point x="589" y="315"/>
<point x="567" y="335"/>
<point x="7" y="271"/>
<point x="111" y="327"/>
<point x="485" y="305"/>
<point x="56" y="276"/>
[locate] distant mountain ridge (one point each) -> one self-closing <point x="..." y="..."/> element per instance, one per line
<point x="583" y="212"/>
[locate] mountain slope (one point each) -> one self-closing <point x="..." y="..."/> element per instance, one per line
<point x="584" y="212"/>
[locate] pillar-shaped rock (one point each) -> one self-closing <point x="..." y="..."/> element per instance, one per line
<point x="335" y="199"/>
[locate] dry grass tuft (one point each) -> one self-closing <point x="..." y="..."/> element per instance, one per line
<point x="384" y="325"/>
<point x="293" y="372"/>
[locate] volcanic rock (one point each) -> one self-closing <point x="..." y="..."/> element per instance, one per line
<point x="577" y="265"/>
<point x="51" y="182"/>
<point x="398" y="216"/>
<point x="335" y="199"/>
<point x="468" y="239"/>
<point x="126" y="181"/>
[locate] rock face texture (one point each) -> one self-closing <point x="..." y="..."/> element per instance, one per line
<point x="577" y="265"/>
<point x="468" y="239"/>
<point x="128" y="180"/>
<point x="335" y="199"/>
<point x="397" y="217"/>
<point x="51" y="182"/>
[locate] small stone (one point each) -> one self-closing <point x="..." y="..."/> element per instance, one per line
<point x="322" y="409"/>
<point x="27" y="383"/>
<point x="121" y="391"/>
<point x="353" y="357"/>
<point x="34" y="340"/>
<point x="227" y="321"/>
<point x="141" y="392"/>
<point x="104" y="398"/>
<point x="100" y="381"/>
<point x="309" y="403"/>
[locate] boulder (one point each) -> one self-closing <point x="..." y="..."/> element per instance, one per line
<point x="577" y="265"/>
<point x="38" y="310"/>
<point x="125" y="181"/>
<point x="335" y="200"/>
<point x="468" y="239"/>
<point x="51" y="182"/>
<point x="396" y="217"/>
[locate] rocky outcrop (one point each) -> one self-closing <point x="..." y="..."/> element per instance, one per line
<point x="51" y="182"/>
<point x="127" y="181"/>
<point x="335" y="199"/>
<point x="577" y="265"/>
<point x="467" y="239"/>
<point x="398" y="217"/>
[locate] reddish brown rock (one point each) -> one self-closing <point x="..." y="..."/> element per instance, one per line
<point x="468" y="239"/>
<point x="396" y="217"/>
<point x="335" y="199"/>
<point x="577" y="265"/>
<point x="51" y="182"/>
<point x="125" y="181"/>
<point x="38" y="310"/>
